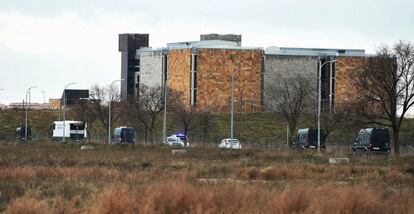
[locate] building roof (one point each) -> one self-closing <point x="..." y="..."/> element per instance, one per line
<point x="313" y="51"/>
<point x="213" y="44"/>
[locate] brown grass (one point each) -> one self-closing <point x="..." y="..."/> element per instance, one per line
<point x="52" y="178"/>
<point x="28" y="206"/>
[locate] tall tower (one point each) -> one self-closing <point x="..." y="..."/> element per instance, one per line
<point x="130" y="63"/>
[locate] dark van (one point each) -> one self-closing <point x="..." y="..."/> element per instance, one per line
<point x="373" y="139"/>
<point x="21" y="133"/>
<point x="124" y="135"/>
<point x="308" y="138"/>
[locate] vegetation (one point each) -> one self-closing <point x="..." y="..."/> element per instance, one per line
<point x="61" y="178"/>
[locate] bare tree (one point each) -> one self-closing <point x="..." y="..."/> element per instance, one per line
<point x="83" y="111"/>
<point x="147" y="108"/>
<point x="385" y="84"/>
<point x="290" y="97"/>
<point x="206" y="123"/>
<point x="185" y="113"/>
<point x="99" y="98"/>
<point x="332" y="120"/>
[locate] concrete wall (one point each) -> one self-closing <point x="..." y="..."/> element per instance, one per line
<point x="151" y="73"/>
<point x="280" y="67"/>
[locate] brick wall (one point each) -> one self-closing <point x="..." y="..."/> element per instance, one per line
<point x="179" y="72"/>
<point x="214" y="70"/>
<point x="345" y="69"/>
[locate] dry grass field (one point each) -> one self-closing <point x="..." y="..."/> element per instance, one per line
<point x="61" y="178"/>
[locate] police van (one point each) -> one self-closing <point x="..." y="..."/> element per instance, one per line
<point x="372" y="139"/>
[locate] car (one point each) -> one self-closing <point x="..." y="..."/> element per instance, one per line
<point x="174" y="140"/>
<point x="123" y="134"/>
<point x="229" y="143"/>
<point x="308" y="138"/>
<point x="183" y="137"/>
<point x="372" y="140"/>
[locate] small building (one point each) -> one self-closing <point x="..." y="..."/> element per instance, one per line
<point x="73" y="96"/>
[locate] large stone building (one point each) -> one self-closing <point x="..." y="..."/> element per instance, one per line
<point x="201" y="71"/>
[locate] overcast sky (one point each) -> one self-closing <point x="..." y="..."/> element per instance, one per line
<point x="50" y="43"/>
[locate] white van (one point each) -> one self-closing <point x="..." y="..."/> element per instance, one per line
<point x="74" y="130"/>
<point x="230" y="144"/>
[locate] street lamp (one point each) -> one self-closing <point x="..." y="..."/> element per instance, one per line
<point x="25" y="121"/>
<point x="232" y="100"/>
<point x="109" y="112"/>
<point x="64" y="108"/>
<point x="43" y="92"/>
<point x="319" y="99"/>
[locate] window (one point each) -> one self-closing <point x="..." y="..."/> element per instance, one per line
<point x="193" y="79"/>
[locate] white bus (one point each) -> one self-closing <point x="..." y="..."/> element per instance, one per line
<point x="74" y="130"/>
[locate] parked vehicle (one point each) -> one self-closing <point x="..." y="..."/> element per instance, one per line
<point x="229" y="144"/>
<point x="174" y="140"/>
<point x="308" y="138"/>
<point x="74" y="130"/>
<point x="21" y="133"/>
<point x="372" y="139"/>
<point x="183" y="137"/>
<point x="124" y="135"/>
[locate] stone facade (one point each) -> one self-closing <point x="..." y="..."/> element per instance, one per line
<point x="214" y="68"/>
<point x="151" y="69"/>
<point x="345" y="69"/>
<point x="179" y="72"/>
<point x="280" y="67"/>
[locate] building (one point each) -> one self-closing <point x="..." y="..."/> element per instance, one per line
<point x="201" y="71"/>
<point x="33" y="106"/>
<point x="73" y="96"/>
<point x="54" y="104"/>
<point x="283" y="62"/>
<point x="153" y="67"/>
<point x="130" y="64"/>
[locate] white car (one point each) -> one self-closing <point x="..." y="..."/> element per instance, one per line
<point x="230" y="144"/>
<point x="173" y="140"/>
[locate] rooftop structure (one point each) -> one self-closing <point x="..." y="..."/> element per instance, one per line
<point x="313" y="51"/>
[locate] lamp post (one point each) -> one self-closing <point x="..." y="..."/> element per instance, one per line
<point x="232" y="100"/>
<point x="164" y="121"/>
<point x="25" y="121"/>
<point x="109" y="112"/>
<point x="319" y="99"/>
<point x="43" y="92"/>
<point x="64" y="108"/>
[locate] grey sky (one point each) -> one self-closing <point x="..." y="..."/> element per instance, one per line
<point x="50" y="43"/>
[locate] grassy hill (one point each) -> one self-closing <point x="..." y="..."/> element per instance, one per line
<point x="252" y="128"/>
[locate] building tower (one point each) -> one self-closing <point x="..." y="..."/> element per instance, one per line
<point x="129" y="44"/>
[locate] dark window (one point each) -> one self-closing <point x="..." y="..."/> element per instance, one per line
<point x="195" y="62"/>
<point x="195" y="97"/>
<point x="195" y="80"/>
